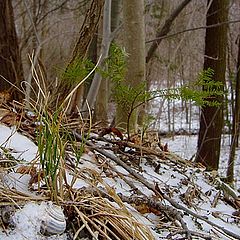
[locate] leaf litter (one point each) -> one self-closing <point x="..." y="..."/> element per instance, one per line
<point x="117" y="190"/>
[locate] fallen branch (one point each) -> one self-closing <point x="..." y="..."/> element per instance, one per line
<point x="192" y="233"/>
<point x="121" y="163"/>
<point x="162" y="155"/>
<point x="226" y="188"/>
<point x="168" y="211"/>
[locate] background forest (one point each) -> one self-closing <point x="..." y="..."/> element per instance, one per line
<point x="159" y="65"/>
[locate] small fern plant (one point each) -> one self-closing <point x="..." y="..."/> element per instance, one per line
<point x="203" y="92"/>
<point x="208" y="95"/>
<point x="76" y="71"/>
<point x="124" y="95"/>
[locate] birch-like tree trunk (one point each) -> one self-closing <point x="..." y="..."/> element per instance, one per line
<point x="101" y="106"/>
<point x="134" y="43"/>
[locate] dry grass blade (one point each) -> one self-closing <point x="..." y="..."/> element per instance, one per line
<point x="12" y="196"/>
<point x="86" y="222"/>
<point x="110" y="220"/>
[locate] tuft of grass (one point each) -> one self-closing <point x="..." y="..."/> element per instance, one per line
<point x="97" y="216"/>
<point x="51" y="148"/>
<point x="53" y="137"/>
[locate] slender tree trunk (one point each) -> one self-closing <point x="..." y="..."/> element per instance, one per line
<point x="10" y="59"/>
<point x="134" y="43"/>
<point x="87" y="32"/>
<point x="115" y="14"/>
<point x="211" y="121"/>
<point x="93" y="54"/>
<point x="35" y="50"/>
<point x="100" y="106"/>
<point x="235" y="124"/>
<point x="98" y="80"/>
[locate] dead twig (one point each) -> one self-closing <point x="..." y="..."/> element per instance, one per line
<point x="192" y="233"/>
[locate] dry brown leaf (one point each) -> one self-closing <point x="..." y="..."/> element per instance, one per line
<point x="36" y="177"/>
<point x="3" y="112"/>
<point x="4" y="97"/>
<point x="10" y="118"/>
<point x="27" y="170"/>
<point x="144" y="208"/>
<point x="189" y="196"/>
<point x="164" y="148"/>
<point x="113" y="130"/>
<point x="136" y="139"/>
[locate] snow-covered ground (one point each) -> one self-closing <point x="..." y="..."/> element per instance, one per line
<point x="178" y="182"/>
<point x="186" y="146"/>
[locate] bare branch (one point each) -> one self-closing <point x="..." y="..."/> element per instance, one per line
<point x="165" y="29"/>
<point x="51" y="10"/>
<point x="192" y="29"/>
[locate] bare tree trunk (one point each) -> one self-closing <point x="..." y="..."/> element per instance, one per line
<point x="10" y="58"/>
<point x="100" y="106"/>
<point x="211" y="121"/>
<point x="134" y="42"/>
<point x="115" y="14"/>
<point x="168" y="99"/>
<point x="87" y="32"/>
<point x="36" y="49"/>
<point x="235" y="124"/>
<point x="98" y="80"/>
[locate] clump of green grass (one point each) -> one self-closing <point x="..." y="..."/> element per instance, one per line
<point x="53" y="137"/>
<point x="51" y="148"/>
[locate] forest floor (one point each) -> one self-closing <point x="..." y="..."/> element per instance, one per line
<point x="117" y="189"/>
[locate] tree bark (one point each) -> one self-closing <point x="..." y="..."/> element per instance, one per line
<point x="87" y="32"/>
<point x="134" y="43"/>
<point x="98" y="80"/>
<point x="115" y="14"/>
<point x="31" y="87"/>
<point x="235" y="124"/>
<point x="10" y="59"/>
<point x="211" y="121"/>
